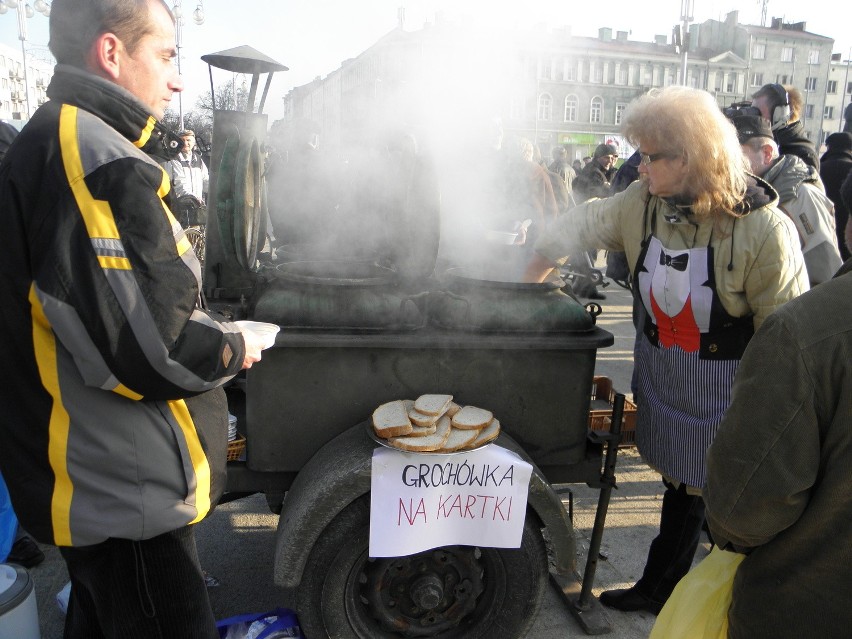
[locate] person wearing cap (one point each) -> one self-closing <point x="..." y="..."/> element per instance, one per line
<point x="596" y="177"/>
<point x="594" y="181"/>
<point x="782" y="106"/>
<point x="187" y="171"/>
<point x="800" y="195"/>
<point x="711" y="258"/>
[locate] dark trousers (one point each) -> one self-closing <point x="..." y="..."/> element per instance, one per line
<point x="673" y="549"/>
<point x="151" y="589"/>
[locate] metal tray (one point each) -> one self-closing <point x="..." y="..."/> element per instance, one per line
<point x="383" y="442"/>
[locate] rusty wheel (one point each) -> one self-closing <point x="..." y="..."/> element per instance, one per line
<point x="452" y="592"/>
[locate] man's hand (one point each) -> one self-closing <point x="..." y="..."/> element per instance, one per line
<point x="254" y="346"/>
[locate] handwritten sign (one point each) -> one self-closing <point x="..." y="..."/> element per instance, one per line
<point x="423" y="501"/>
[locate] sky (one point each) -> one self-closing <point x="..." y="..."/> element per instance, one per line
<point x="312" y="37"/>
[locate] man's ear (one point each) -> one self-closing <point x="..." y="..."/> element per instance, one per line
<point x="104" y="58"/>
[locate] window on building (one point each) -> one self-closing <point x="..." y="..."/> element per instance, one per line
<point x="828" y="112"/>
<point x="813" y="56"/>
<point x="757" y="79"/>
<point x="831" y="86"/>
<point x="596" y="110"/>
<point x="570" y="71"/>
<point x="786" y="54"/>
<point x="571" y="104"/>
<point x="758" y="51"/>
<point x="647" y="76"/>
<point x="810" y="83"/>
<point x="621" y="75"/>
<point x="809" y="111"/>
<point x="547" y="68"/>
<point x="597" y="72"/>
<point x="619" y="112"/>
<point x="545" y="107"/>
<point x="781" y="78"/>
<point x="848" y="88"/>
<point x="730" y="82"/>
<point x="5" y="83"/>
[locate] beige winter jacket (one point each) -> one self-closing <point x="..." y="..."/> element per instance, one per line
<point x="761" y="271"/>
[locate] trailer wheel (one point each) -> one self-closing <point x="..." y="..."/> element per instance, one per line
<point x="451" y="592"/>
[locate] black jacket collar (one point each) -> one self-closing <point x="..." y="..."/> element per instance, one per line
<point x="115" y="106"/>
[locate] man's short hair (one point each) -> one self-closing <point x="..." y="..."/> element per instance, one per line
<point x="76" y="24"/>
<point x="187" y="133"/>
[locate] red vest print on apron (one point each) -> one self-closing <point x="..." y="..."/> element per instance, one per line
<point x="687" y="354"/>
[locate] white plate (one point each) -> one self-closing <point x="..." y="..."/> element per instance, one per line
<point x="500" y="237"/>
<point x="264" y="330"/>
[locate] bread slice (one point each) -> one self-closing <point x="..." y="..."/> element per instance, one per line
<point x="458" y="439"/>
<point x="471" y="417"/>
<point x="419" y="419"/>
<point x="391" y="420"/>
<point x="425" y="444"/>
<point x="487" y="434"/>
<point x="432" y="404"/>
<point x="452" y="409"/>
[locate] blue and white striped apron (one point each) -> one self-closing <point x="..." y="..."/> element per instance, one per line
<point x="686" y="359"/>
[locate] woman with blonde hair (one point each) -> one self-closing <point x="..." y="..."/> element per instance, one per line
<point x="711" y="257"/>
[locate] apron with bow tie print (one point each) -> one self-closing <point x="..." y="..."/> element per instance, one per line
<point x="687" y="353"/>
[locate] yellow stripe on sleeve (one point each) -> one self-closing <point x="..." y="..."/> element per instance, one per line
<point x="122" y="390"/>
<point x="146" y="133"/>
<point x="120" y="263"/>
<point x="44" y="344"/>
<point x="196" y="453"/>
<point x="97" y="214"/>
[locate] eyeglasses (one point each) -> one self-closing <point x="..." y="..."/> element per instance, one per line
<point x="647" y="158"/>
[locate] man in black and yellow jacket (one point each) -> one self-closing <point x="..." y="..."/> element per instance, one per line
<point x="114" y="436"/>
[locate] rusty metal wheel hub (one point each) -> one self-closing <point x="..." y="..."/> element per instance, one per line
<point x="425" y="594"/>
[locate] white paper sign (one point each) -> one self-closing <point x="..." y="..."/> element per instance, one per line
<point x="423" y="500"/>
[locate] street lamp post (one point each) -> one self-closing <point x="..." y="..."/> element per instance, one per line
<point x="686" y="16"/>
<point x="198" y="18"/>
<point x="25" y="12"/>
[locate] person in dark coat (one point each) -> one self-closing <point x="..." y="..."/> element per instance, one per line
<point x="7" y="134"/>
<point x="835" y="166"/>
<point x="782" y="106"/>
<point x="846" y="198"/>
<point x="596" y="177"/>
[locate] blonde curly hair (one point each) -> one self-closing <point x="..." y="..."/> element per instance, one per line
<point x="688" y="122"/>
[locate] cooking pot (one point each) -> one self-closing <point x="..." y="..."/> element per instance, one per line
<point x="478" y="301"/>
<point x="336" y="294"/>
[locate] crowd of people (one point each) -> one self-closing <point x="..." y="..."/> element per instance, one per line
<point x="723" y="225"/>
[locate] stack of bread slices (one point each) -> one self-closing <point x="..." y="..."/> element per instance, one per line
<point x="434" y="423"/>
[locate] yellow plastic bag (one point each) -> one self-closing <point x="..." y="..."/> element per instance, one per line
<point x="698" y="607"/>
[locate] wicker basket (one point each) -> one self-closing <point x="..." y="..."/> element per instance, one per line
<point x="600" y="413"/>
<point x="236" y="448"/>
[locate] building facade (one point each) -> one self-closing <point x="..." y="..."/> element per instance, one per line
<point x="555" y="88"/>
<point x="22" y="87"/>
